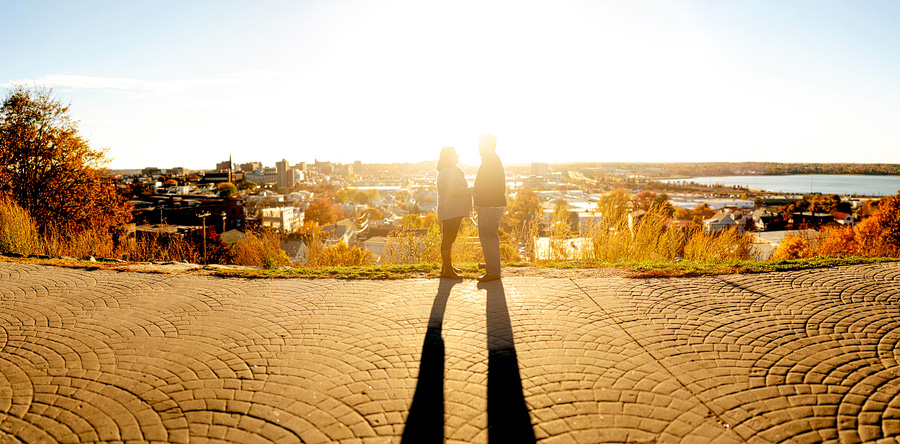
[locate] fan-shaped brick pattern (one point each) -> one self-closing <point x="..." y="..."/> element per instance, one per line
<point x="106" y="356"/>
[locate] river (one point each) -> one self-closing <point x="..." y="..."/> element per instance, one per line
<point x="844" y="184"/>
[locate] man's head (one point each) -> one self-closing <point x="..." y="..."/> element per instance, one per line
<point x="486" y="144"/>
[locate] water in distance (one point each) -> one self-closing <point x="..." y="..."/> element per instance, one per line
<point x="844" y="184"/>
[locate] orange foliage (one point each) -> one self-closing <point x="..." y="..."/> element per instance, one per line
<point x="876" y="236"/>
<point x="50" y="170"/>
<point x="321" y="211"/>
<point x="794" y="247"/>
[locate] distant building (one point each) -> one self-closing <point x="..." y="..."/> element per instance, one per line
<point x="344" y="231"/>
<point x="843" y="218"/>
<point x="270" y="175"/>
<point x="284" y="174"/>
<point x="376" y="245"/>
<point x="226" y="167"/>
<point x="343" y="170"/>
<point x="224" y="213"/>
<point x="151" y="171"/>
<point x="250" y="167"/>
<point x="323" y="168"/>
<point x="285" y="219"/>
<point x="215" y="177"/>
<point x="725" y="220"/>
<point x="808" y="219"/>
<point x="262" y="177"/>
<point x="176" y="171"/>
<point x="540" y="169"/>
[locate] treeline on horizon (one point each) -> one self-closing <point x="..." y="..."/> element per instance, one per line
<point x="688" y="169"/>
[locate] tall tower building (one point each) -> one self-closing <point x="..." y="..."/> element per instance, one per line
<point x="285" y="177"/>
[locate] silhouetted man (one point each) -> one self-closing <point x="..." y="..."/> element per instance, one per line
<point x="490" y="203"/>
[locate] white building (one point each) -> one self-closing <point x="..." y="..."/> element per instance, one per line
<point x="725" y="220"/>
<point x="285" y="219"/>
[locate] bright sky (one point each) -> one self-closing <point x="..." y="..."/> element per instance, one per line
<point x="185" y="83"/>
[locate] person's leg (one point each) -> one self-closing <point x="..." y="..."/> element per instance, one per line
<point x="449" y="230"/>
<point x="488" y="226"/>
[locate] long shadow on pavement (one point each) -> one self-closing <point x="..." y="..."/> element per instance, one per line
<point x="425" y="423"/>
<point x="508" y="418"/>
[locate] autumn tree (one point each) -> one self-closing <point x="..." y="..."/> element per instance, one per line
<point x="361" y="197"/>
<point x="50" y="170"/>
<point x="699" y="214"/>
<point x="356" y="195"/>
<point x="702" y="212"/>
<point x="524" y="208"/>
<point x="244" y="184"/>
<point x="321" y="211"/>
<point x="372" y="214"/>
<point x="877" y="235"/>
<point x="226" y="189"/>
<point x="644" y="200"/>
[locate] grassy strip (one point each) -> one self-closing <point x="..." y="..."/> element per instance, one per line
<point x="698" y="268"/>
<point x="428" y="270"/>
<point x="640" y="270"/>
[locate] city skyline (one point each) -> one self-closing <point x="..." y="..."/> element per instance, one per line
<point x="185" y="84"/>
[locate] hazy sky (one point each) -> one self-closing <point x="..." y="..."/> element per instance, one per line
<point x="185" y="83"/>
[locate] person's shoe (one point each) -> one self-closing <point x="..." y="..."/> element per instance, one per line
<point x="449" y="273"/>
<point x="488" y="277"/>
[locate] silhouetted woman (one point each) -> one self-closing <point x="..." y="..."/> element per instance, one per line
<point x="454" y="203"/>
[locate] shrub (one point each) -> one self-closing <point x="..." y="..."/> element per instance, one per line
<point x="839" y="242"/>
<point x="213" y="250"/>
<point x="793" y="247"/>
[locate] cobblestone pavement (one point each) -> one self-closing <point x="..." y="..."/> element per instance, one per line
<point x="806" y="356"/>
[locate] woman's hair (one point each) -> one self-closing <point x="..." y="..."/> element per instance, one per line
<point x="447" y="159"/>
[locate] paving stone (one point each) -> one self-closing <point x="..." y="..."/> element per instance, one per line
<point x="807" y="356"/>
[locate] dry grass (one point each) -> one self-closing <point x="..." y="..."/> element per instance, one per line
<point x="19" y="234"/>
<point x="341" y="255"/>
<point x="90" y="242"/>
<point x="18" y="230"/>
<point x="405" y="246"/>
<point x="263" y="250"/>
<point x="650" y="239"/>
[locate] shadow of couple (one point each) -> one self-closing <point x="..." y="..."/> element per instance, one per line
<point x="507" y="413"/>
